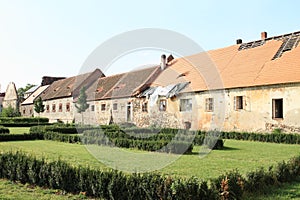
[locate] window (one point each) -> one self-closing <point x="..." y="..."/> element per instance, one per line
<point x="145" y="107"/>
<point x="68" y="107"/>
<point x="93" y="108"/>
<point x="185" y="105"/>
<point x="60" y="107"/>
<point x="47" y="108"/>
<point x="24" y="111"/>
<point x="53" y="108"/>
<point x="30" y="111"/>
<point x="209" y="104"/>
<point x="103" y="106"/>
<point x="162" y="105"/>
<point x="238" y="103"/>
<point x="115" y="106"/>
<point x="277" y="108"/>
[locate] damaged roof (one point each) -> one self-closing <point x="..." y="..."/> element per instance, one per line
<point x="70" y="86"/>
<point x="123" y="85"/>
<point x="267" y="61"/>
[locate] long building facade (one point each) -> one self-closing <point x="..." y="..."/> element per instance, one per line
<point x="252" y="86"/>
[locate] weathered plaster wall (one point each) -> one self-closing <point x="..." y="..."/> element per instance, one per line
<point x="59" y="115"/>
<point x="256" y="115"/>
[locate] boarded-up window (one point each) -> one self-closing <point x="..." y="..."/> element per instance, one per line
<point x="238" y="102"/>
<point x="185" y="105"/>
<point x="145" y="107"/>
<point x="209" y="104"/>
<point x="162" y="105"/>
<point x="277" y="108"/>
<point x="115" y="106"/>
<point x="103" y="107"/>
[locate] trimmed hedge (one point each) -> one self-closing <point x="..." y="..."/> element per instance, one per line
<point x="4" y="130"/>
<point x="24" y="120"/>
<point x="113" y="184"/>
<point x="233" y="185"/>
<point x="260" y="137"/>
<point x="101" y="184"/>
<point x="19" y="137"/>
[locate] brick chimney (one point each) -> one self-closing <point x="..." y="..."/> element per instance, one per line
<point x="263" y="35"/>
<point x="239" y="41"/>
<point x="163" y="62"/>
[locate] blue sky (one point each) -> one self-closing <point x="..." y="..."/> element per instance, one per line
<point x="54" y="37"/>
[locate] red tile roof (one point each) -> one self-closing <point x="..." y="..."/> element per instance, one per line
<point x="236" y="67"/>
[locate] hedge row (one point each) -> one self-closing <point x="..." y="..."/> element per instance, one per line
<point x="19" y="137"/>
<point x="117" y="185"/>
<point x="65" y="129"/>
<point x="233" y="185"/>
<point x="102" y="184"/>
<point x="150" y="139"/>
<point x="23" y="120"/>
<point x="4" y="130"/>
<point x="260" y="137"/>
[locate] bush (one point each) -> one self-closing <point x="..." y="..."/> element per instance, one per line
<point x="22" y="121"/>
<point x="101" y="184"/>
<point x="4" y="130"/>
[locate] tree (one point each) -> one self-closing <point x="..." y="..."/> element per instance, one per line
<point x="21" y="91"/>
<point x="39" y="106"/>
<point x="10" y="112"/>
<point x="82" y="104"/>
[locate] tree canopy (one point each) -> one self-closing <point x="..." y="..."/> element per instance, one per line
<point x="82" y="104"/>
<point x="38" y="105"/>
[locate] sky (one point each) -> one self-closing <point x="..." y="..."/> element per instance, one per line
<point x="55" y="37"/>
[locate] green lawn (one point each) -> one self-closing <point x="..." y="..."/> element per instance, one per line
<point x="11" y="190"/>
<point x="242" y="155"/>
<point x="284" y="192"/>
<point x="18" y="130"/>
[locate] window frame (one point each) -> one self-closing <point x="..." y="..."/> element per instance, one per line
<point x="53" y="107"/>
<point x="115" y="106"/>
<point x="275" y="103"/>
<point x="144" y="106"/>
<point x="68" y="107"/>
<point x="60" y="107"/>
<point x="186" y="105"/>
<point x="209" y="104"/>
<point x="162" y="105"/>
<point x="103" y="107"/>
<point x="239" y="103"/>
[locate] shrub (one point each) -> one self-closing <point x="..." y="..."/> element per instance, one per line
<point x="4" y="130"/>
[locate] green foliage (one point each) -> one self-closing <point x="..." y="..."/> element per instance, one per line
<point x="21" y="91"/>
<point x="82" y="104"/>
<point x="4" y="130"/>
<point x="261" y="137"/>
<point x="38" y="105"/>
<point x="112" y="184"/>
<point x="22" y="121"/>
<point x="10" y="112"/>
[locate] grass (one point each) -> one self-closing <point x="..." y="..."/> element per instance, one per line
<point x="18" y="130"/>
<point x="12" y="190"/>
<point x="242" y="155"/>
<point x="284" y="192"/>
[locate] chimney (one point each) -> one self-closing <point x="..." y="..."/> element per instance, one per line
<point x="263" y="35"/>
<point x="239" y="41"/>
<point x="163" y="62"/>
